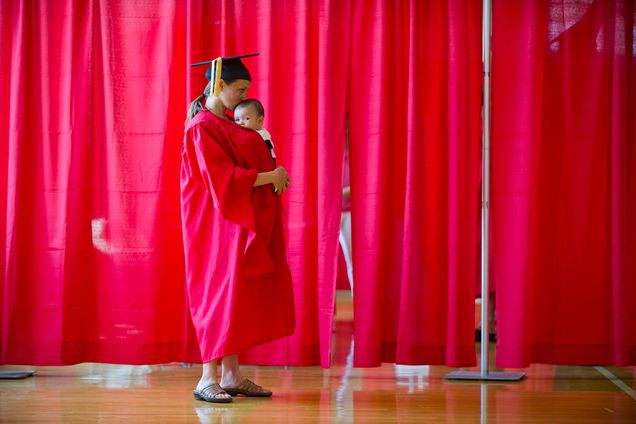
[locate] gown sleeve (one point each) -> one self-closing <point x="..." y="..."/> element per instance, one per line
<point x="229" y="185"/>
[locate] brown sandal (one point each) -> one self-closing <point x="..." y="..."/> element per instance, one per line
<point x="211" y="393"/>
<point x="248" y="388"/>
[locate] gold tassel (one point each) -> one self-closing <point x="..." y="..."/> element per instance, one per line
<point x="218" y="63"/>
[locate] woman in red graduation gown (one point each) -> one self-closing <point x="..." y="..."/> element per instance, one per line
<point x="238" y="281"/>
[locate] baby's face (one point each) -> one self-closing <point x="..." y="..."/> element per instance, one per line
<point x="247" y="117"/>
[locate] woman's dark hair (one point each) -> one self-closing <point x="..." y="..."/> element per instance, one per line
<point x="197" y="106"/>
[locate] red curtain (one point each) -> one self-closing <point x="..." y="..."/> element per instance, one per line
<point x="91" y="130"/>
<point x="564" y="181"/>
<point x="414" y="136"/>
<point x="91" y="123"/>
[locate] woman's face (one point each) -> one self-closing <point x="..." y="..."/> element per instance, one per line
<point x="234" y="93"/>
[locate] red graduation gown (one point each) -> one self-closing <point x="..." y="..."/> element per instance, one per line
<point x="238" y="281"/>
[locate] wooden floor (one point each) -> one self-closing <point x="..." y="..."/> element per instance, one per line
<point x="417" y="394"/>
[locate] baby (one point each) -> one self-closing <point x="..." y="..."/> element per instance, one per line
<point x="251" y="114"/>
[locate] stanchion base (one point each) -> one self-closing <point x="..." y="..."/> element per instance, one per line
<point x="13" y="375"/>
<point x="491" y="376"/>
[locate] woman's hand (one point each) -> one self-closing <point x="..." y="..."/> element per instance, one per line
<point x="280" y="180"/>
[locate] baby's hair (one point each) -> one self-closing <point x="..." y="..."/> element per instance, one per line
<point x="260" y="110"/>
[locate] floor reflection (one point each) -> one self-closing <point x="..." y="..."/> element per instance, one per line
<point x="344" y="398"/>
<point x="117" y="377"/>
<point x="209" y="414"/>
<point x="414" y="377"/>
<point x="342" y="393"/>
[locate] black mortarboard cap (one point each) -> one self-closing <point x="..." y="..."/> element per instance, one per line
<point x="231" y="67"/>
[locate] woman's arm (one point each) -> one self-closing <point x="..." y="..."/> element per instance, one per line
<point x="278" y="177"/>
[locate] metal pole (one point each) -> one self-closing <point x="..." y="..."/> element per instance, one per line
<point x="485" y="189"/>
<point x="484" y="373"/>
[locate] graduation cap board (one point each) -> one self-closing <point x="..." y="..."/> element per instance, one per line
<point x="226" y="68"/>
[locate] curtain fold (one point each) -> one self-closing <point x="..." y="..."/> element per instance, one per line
<point x="414" y="133"/>
<point x="563" y="182"/>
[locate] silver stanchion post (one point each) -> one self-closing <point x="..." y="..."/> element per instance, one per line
<point x="484" y="373"/>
